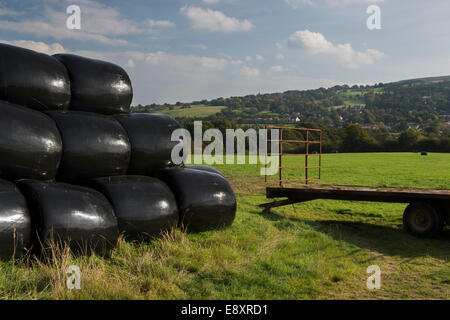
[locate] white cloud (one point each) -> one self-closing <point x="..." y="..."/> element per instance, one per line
<point x="279" y="56"/>
<point x="208" y="63"/>
<point x="4" y="11"/>
<point x="210" y="1"/>
<point x="277" y="69"/>
<point x="100" y="23"/>
<point x="160" y="23"/>
<point x="199" y="46"/>
<point x="131" y="63"/>
<point x="214" y="20"/>
<point x="258" y="57"/>
<point x="41" y="47"/>
<point x="328" y="3"/>
<point x="315" y="43"/>
<point x="247" y="71"/>
<point x="45" y="29"/>
<point x="101" y="19"/>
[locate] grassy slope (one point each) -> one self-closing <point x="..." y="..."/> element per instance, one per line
<point x="354" y="97"/>
<point x="313" y="250"/>
<point x="350" y="97"/>
<point x="195" y="111"/>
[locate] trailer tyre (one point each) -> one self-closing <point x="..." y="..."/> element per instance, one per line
<point x="423" y="220"/>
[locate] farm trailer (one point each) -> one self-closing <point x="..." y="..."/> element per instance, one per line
<point x="426" y="214"/>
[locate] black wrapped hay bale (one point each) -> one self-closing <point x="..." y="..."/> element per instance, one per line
<point x="205" y="200"/>
<point x="33" y="79"/>
<point x="30" y="144"/>
<point x="62" y="213"/>
<point x="15" y="222"/>
<point x="144" y="206"/>
<point x="204" y="168"/>
<point x="150" y="137"/>
<point x="97" y="86"/>
<point x="93" y="146"/>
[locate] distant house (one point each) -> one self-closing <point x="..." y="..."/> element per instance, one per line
<point x="369" y="126"/>
<point x="296" y="119"/>
<point x="413" y="125"/>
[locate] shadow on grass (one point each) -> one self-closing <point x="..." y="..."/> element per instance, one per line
<point x="350" y="212"/>
<point x="382" y="239"/>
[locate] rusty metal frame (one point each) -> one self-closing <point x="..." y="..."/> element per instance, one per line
<point x="307" y="154"/>
<point x="436" y="197"/>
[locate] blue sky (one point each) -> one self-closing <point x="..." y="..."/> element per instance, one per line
<point x="184" y="50"/>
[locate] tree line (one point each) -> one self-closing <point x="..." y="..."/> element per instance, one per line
<point x="352" y="138"/>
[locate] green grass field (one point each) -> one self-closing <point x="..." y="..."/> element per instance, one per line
<point x="195" y="111"/>
<point x="354" y="97"/>
<point x="315" y="250"/>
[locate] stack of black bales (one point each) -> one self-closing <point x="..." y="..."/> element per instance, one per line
<point x="77" y="167"/>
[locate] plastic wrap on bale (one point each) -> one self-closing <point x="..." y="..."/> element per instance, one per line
<point x="93" y="146"/>
<point x="97" y="86"/>
<point x="205" y="200"/>
<point x="145" y="207"/>
<point x="15" y="222"/>
<point x="30" y="144"/>
<point x="67" y="214"/>
<point x="33" y="79"/>
<point x="204" y="168"/>
<point x="150" y="137"/>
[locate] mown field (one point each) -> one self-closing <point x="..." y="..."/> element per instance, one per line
<point x="195" y="111"/>
<point x="316" y="250"/>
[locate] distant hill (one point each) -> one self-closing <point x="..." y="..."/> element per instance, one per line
<point x="398" y="105"/>
<point x="426" y="80"/>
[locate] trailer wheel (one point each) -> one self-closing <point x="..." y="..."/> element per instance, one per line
<point x="423" y="220"/>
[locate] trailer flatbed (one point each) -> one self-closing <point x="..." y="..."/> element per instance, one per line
<point x="362" y="193"/>
<point x="426" y="215"/>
